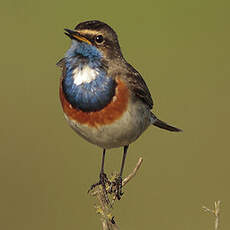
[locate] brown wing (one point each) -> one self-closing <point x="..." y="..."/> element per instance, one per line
<point x="138" y="86"/>
<point x="61" y="63"/>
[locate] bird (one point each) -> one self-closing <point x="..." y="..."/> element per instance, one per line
<point x="104" y="98"/>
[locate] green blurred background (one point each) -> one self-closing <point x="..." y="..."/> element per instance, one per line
<point x="181" y="48"/>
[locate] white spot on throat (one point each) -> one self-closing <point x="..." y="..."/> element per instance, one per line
<point x="84" y="75"/>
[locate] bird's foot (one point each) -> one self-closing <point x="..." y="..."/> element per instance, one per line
<point x="102" y="181"/>
<point x="118" y="182"/>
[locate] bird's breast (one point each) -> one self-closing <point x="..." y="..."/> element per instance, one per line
<point x="88" y="89"/>
<point x="109" y="113"/>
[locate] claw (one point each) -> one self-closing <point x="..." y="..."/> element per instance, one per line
<point x="119" y="192"/>
<point x="102" y="181"/>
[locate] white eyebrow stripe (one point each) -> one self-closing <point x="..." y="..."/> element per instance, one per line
<point x="85" y="31"/>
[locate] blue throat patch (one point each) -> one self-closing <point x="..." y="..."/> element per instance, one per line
<point x="84" y="50"/>
<point x="92" y="96"/>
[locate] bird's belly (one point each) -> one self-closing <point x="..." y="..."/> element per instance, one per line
<point x="121" y="132"/>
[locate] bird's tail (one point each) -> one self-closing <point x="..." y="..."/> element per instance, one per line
<point x="161" y="124"/>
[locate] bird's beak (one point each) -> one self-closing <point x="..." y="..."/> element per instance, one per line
<point x="76" y="35"/>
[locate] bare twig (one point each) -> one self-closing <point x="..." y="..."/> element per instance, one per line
<point x="215" y="212"/>
<point x="105" y="204"/>
<point x="133" y="173"/>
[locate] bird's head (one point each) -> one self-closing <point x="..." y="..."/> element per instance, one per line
<point x="94" y="40"/>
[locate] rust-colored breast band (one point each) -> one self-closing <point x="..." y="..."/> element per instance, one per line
<point x="110" y="113"/>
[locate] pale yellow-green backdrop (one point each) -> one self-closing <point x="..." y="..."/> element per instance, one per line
<point x="182" y="50"/>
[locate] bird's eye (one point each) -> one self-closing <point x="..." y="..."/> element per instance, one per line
<point x="99" y="39"/>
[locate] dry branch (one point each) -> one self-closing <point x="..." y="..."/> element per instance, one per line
<point x="106" y="200"/>
<point x="215" y="212"/>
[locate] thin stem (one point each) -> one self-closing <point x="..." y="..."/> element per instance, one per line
<point x="133" y="173"/>
<point x="215" y="212"/>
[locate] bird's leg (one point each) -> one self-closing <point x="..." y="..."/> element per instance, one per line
<point x="119" y="192"/>
<point x="102" y="177"/>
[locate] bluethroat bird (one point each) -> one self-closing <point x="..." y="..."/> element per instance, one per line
<point x="104" y="99"/>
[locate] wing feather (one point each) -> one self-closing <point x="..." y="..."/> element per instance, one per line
<point x="138" y="86"/>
